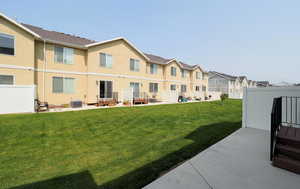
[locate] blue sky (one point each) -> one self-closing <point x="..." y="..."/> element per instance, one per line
<point x="257" y="38"/>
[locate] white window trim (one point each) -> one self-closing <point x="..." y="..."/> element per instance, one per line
<point x="175" y="87"/>
<point x="154" y="73"/>
<point x="63" y="85"/>
<point x="105" y="60"/>
<point x="135" y="61"/>
<point x="153" y="91"/>
<point x="15" y="49"/>
<point x="201" y="76"/>
<point x="175" y="71"/>
<point x="98" y="87"/>
<point x="73" y="61"/>
<point x="184" y="87"/>
<point x="14" y="78"/>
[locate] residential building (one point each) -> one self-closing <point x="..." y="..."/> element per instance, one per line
<point x="251" y="83"/>
<point x="283" y="84"/>
<point x="263" y="84"/>
<point x="228" y="84"/>
<point x="66" y="68"/>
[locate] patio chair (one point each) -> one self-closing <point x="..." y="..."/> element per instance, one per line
<point x="41" y="106"/>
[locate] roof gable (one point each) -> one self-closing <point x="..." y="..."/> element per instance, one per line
<point x="160" y="60"/>
<point x="215" y="76"/>
<point x="226" y="76"/>
<point x="199" y="67"/>
<point x="157" y="59"/>
<point x="19" y="25"/>
<point x="58" y="36"/>
<point x="117" y="39"/>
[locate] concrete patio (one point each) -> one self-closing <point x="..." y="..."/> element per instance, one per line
<point x="239" y="161"/>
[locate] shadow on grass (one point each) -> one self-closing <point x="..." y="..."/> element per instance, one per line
<point x="203" y="137"/>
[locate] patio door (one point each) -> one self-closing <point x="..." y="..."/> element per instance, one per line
<point x="136" y="89"/>
<point x="105" y="89"/>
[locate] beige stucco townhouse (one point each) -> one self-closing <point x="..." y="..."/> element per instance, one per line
<point x="65" y="68"/>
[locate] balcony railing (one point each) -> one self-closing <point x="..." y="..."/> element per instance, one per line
<point x="285" y="112"/>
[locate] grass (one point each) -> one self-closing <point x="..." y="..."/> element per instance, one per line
<point x="108" y="148"/>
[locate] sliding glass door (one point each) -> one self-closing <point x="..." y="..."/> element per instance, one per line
<point x="105" y="89"/>
<point x="136" y="89"/>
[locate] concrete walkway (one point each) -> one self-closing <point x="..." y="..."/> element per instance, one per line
<point x="240" y="161"/>
<point x="92" y="107"/>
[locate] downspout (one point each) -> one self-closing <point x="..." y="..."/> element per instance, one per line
<point x="44" y="69"/>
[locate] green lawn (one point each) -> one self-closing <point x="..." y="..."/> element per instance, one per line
<point x="108" y="148"/>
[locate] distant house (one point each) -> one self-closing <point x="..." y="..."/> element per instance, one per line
<point x="263" y="84"/>
<point x="283" y="84"/>
<point x="251" y="83"/>
<point x="228" y="84"/>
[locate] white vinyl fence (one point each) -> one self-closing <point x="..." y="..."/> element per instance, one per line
<point x="127" y="95"/>
<point x="257" y="105"/>
<point x="215" y="95"/>
<point x="170" y="96"/>
<point x="235" y="95"/>
<point x="16" y="99"/>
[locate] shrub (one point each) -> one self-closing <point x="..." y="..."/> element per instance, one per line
<point x="223" y="97"/>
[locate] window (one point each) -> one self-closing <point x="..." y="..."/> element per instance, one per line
<point x="63" y="55"/>
<point x="197" y="88"/>
<point x="106" y="89"/>
<point x="69" y="85"/>
<point x="184" y="73"/>
<point x="105" y="60"/>
<point x="153" y="87"/>
<point x="7" y="44"/>
<point x="203" y="88"/>
<point x="134" y="65"/>
<point x="6" y="79"/>
<point x="173" y="87"/>
<point x="198" y="75"/>
<point x="63" y="85"/>
<point x="153" y="68"/>
<point x="173" y="71"/>
<point x="183" y="88"/>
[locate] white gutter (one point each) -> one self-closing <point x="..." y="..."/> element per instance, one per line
<point x="44" y="70"/>
<point x="63" y="43"/>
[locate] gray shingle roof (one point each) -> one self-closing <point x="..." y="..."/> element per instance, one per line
<point x="263" y="83"/>
<point x="161" y="60"/>
<point x="241" y="78"/>
<point x="157" y="59"/>
<point x="76" y="40"/>
<point x="57" y="36"/>
<point x="231" y="77"/>
<point x="187" y="66"/>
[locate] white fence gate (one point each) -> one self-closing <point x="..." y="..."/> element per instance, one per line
<point x="16" y="99"/>
<point x="170" y="96"/>
<point x="235" y="95"/>
<point x="127" y="95"/>
<point x="257" y="105"/>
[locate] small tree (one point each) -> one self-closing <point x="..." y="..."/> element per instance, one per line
<point x="223" y="97"/>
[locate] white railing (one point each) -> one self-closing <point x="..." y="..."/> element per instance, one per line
<point x="257" y="105"/>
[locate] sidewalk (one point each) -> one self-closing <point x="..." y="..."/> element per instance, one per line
<point x="240" y="161"/>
